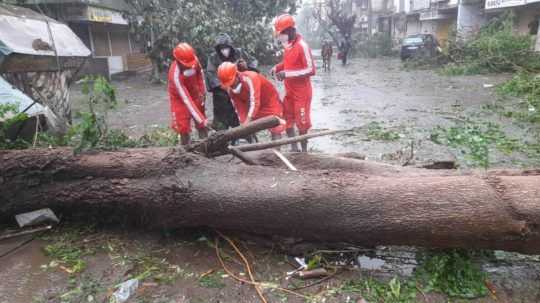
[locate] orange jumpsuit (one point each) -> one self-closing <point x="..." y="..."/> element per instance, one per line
<point x="186" y="92"/>
<point x="257" y="98"/>
<point x="299" y="67"/>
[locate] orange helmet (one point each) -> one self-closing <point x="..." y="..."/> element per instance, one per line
<point x="227" y="74"/>
<point x="283" y="22"/>
<point x="185" y="54"/>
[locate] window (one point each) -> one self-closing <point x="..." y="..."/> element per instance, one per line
<point x="364" y="4"/>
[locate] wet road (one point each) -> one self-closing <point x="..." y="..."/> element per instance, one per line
<point x="381" y="91"/>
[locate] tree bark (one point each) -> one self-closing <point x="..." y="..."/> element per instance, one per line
<point x="170" y="188"/>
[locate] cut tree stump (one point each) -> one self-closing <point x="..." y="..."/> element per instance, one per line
<point x="171" y="188"/>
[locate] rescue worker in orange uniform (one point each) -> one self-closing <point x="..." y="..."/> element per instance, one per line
<point x="187" y="93"/>
<point x="296" y="71"/>
<point x="252" y="95"/>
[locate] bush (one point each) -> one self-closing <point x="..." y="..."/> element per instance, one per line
<point x="10" y="118"/>
<point x="526" y="86"/>
<point x="496" y="48"/>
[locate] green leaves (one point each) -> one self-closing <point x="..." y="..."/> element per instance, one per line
<point x="454" y="274"/>
<point x="496" y="48"/>
<point x="394" y="291"/>
<point x="476" y="140"/>
<point x="527" y="87"/>
<point x="10" y="121"/>
<point x="92" y="128"/>
<point x="165" y="23"/>
<point x="375" y="131"/>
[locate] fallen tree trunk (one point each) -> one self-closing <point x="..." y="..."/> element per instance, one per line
<point x="169" y="188"/>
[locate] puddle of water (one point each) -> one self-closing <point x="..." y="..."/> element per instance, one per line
<point x="21" y="274"/>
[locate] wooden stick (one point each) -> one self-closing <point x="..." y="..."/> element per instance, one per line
<point x="242" y="156"/>
<point x="277" y="143"/>
<point x="24" y="233"/>
<point x="284" y="160"/>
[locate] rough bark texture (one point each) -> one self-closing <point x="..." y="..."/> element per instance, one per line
<point x="48" y="88"/>
<point x="170" y="188"/>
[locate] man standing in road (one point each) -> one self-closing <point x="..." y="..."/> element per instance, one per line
<point x="344" y="49"/>
<point x="252" y="95"/>
<point x="224" y="114"/>
<point x="187" y="93"/>
<point x="296" y="71"/>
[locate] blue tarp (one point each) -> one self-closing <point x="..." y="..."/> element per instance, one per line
<point x="11" y="95"/>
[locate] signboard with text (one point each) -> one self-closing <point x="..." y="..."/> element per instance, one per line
<point x="97" y="14"/>
<point x="492" y="4"/>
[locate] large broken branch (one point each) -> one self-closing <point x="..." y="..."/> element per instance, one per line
<point x="218" y="143"/>
<point x="278" y="143"/>
<point x="163" y="188"/>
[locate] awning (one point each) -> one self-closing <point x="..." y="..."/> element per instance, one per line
<point x="23" y="31"/>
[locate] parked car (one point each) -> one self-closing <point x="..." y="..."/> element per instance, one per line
<point x="421" y="45"/>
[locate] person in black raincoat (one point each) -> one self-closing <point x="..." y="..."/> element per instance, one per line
<point x="224" y="114"/>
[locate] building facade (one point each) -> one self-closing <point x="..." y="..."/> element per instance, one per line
<point x="101" y="25"/>
<point x="440" y="17"/>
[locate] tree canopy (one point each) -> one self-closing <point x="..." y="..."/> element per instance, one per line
<point x="161" y="24"/>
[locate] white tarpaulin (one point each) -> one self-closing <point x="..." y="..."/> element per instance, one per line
<point x="24" y="31"/>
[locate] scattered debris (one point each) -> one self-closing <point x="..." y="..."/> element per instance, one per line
<point x="312" y="274"/>
<point x="125" y="291"/>
<point x="303" y="266"/>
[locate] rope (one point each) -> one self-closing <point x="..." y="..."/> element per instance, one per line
<point x="230" y="273"/>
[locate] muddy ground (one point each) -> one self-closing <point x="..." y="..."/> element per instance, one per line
<point x="390" y="110"/>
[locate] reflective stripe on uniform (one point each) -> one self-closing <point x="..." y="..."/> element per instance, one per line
<point x="251" y="97"/>
<point x="185" y="98"/>
<point x="306" y="71"/>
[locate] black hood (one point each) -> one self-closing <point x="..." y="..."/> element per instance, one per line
<point x="223" y="40"/>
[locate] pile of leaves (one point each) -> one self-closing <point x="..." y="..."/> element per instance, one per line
<point x="495" y="48"/>
<point x="453" y="273"/>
